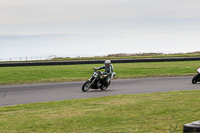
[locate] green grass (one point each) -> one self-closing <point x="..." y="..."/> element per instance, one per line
<point x="142" y="56"/>
<point x="120" y="56"/>
<point x="44" y="74"/>
<point x="152" y="113"/>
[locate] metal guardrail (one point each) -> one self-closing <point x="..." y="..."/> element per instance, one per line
<point x="49" y="63"/>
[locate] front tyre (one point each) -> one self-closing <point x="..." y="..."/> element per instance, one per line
<point x="85" y="86"/>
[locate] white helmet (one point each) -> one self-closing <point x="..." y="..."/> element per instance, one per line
<point x="107" y="62"/>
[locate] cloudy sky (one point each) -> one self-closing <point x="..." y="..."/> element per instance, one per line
<point x="97" y="27"/>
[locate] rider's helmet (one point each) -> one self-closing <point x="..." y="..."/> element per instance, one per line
<point x="107" y="63"/>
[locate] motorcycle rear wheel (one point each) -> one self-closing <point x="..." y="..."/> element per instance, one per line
<point x="105" y="87"/>
<point x="85" y="87"/>
<point x="195" y="79"/>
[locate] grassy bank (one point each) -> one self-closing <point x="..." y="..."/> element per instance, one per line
<point x="44" y="74"/>
<point x="153" y="113"/>
<point x="132" y="56"/>
<point x="118" y="56"/>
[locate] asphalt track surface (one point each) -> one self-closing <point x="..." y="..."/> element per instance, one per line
<point x="22" y="94"/>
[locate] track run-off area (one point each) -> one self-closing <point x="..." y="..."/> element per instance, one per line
<point x="33" y="93"/>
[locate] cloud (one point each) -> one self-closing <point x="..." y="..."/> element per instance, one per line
<point x="43" y="11"/>
<point x="77" y="25"/>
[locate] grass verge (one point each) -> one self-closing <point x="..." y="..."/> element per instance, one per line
<point x="132" y="56"/>
<point x="155" y="113"/>
<point x="118" y="56"/>
<point x="45" y="74"/>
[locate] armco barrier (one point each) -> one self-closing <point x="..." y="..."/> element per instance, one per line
<point x="48" y="63"/>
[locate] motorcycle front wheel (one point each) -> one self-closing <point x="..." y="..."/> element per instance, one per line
<point x="85" y="86"/>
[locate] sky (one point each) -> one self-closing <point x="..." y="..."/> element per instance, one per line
<point x="70" y="28"/>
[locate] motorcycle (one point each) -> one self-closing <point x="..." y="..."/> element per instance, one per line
<point x="97" y="81"/>
<point x="196" y="78"/>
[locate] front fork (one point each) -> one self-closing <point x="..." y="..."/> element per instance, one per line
<point x="92" y="81"/>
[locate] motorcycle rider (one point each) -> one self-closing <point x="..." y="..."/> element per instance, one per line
<point x="108" y="70"/>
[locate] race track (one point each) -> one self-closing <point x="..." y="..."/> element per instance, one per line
<point x="21" y="94"/>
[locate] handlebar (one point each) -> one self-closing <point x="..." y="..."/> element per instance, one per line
<point x="94" y="69"/>
<point x="98" y="71"/>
